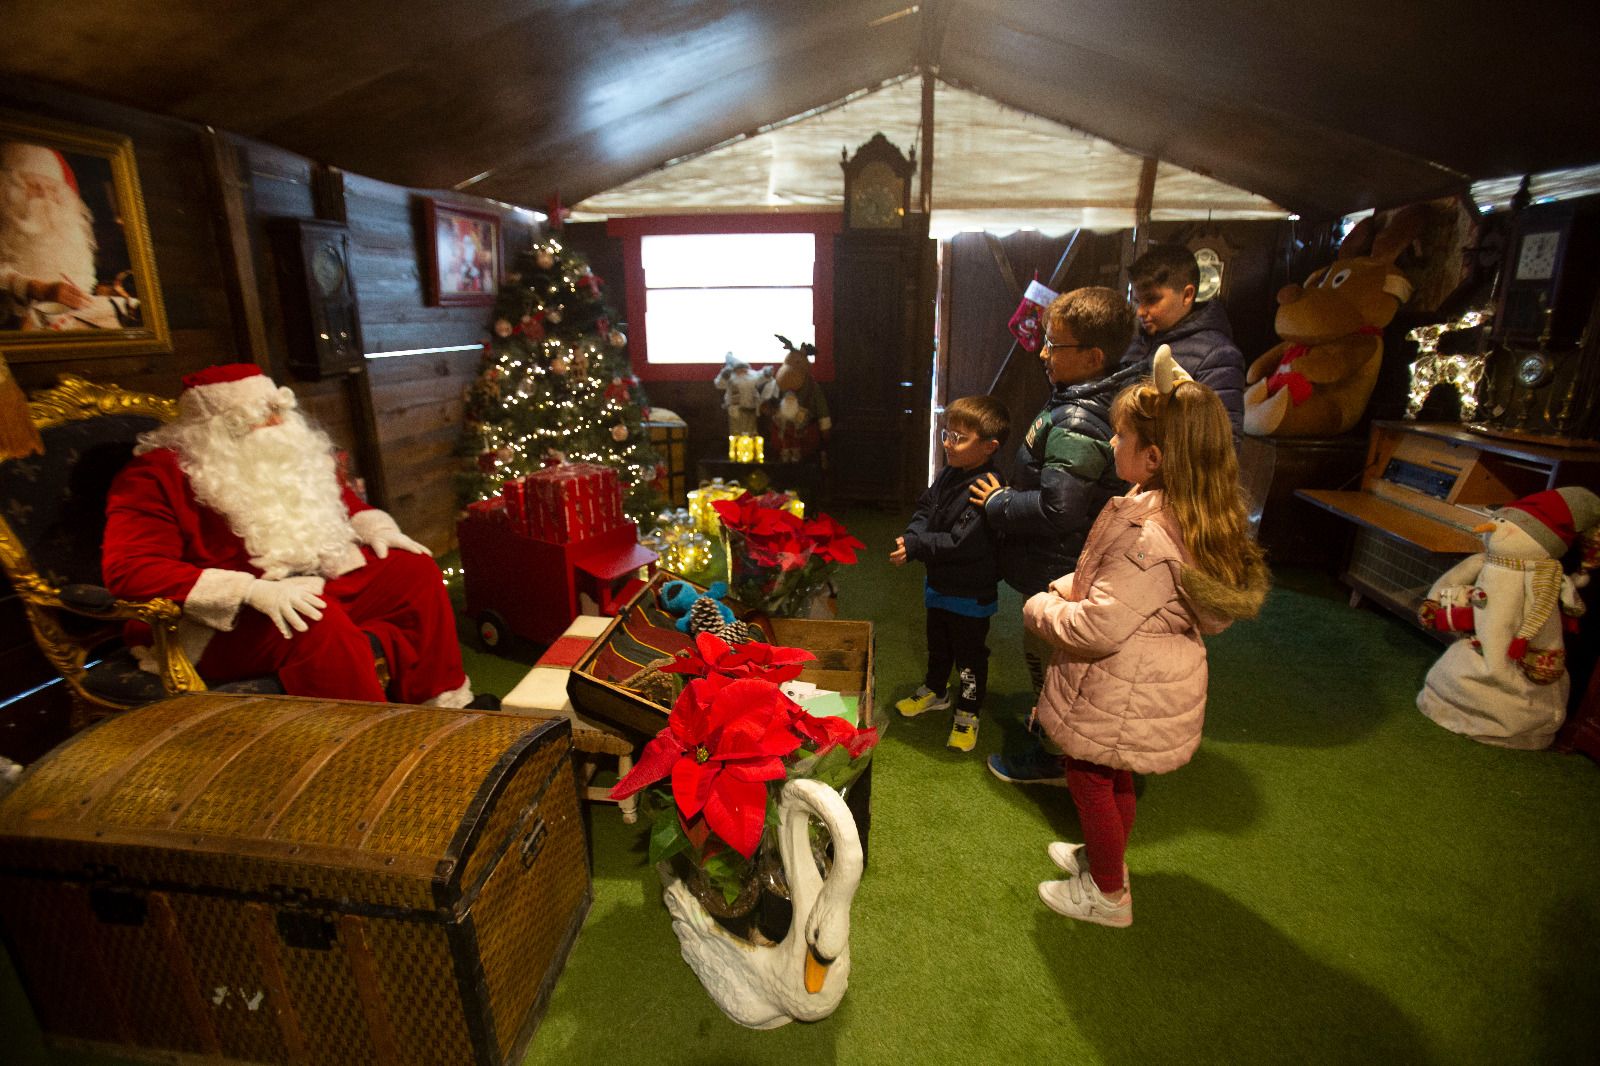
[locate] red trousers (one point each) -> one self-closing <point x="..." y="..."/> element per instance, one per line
<point x="1105" y="801"/>
<point x="401" y="600"/>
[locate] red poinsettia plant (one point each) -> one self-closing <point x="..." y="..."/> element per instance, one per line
<point x="777" y="561"/>
<point x="732" y="740"/>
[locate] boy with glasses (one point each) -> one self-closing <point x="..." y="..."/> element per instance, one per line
<point x="1064" y="474"/>
<point x="949" y="535"/>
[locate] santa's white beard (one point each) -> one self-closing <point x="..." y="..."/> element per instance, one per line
<point x="276" y="486"/>
<point x="47" y="239"/>
<point x="790" y="413"/>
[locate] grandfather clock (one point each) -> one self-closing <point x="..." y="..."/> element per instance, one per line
<point x="883" y="319"/>
<point x="877" y="187"/>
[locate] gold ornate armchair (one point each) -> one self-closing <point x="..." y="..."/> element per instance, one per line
<point x="52" y="518"/>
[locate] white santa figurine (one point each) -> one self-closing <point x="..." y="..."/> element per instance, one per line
<point x="47" y="243"/>
<point x="742" y="390"/>
<point x="1506" y="683"/>
<point x="236" y="510"/>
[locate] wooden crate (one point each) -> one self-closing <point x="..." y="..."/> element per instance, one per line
<point x="671" y="442"/>
<point x="642" y="631"/>
<point x="256" y="879"/>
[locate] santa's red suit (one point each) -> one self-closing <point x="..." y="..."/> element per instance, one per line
<point x="162" y="540"/>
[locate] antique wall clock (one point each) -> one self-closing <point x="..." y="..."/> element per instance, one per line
<point x="877" y="186"/>
<point x="321" y="320"/>
<point x="1550" y="275"/>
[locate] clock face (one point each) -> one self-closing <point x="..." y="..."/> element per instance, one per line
<point x="327" y="267"/>
<point x="1211" y="266"/>
<point x="1535" y="370"/>
<point x="876" y="198"/>
<point x="1536" y="258"/>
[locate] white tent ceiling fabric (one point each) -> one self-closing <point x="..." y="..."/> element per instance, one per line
<point x="995" y="168"/>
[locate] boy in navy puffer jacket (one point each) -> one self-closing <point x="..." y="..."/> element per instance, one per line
<point x="1165" y="279"/>
<point x="950" y="536"/>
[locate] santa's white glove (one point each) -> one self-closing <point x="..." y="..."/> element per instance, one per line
<point x="378" y="531"/>
<point x="288" y="602"/>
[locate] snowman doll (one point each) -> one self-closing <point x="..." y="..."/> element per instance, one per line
<point x="1505" y="683"/>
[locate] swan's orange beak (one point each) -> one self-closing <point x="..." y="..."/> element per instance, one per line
<point x="816" y="972"/>
<point x="1487" y="527"/>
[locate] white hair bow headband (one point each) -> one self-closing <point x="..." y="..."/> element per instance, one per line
<point x="1166" y="370"/>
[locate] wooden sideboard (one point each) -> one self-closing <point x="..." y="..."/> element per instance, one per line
<point x="1425" y="485"/>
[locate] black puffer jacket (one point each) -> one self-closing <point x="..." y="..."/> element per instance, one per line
<point x="950" y="537"/>
<point x="1202" y="343"/>
<point x="1064" y="474"/>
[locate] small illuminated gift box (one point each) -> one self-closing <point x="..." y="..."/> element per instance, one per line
<point x="747" y="448"/>
<point x="700" y="501"/>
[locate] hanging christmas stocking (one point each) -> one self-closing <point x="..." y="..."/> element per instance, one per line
<point x="1025" y="323"/>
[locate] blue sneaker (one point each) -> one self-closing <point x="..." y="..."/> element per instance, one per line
<point x="1032" y="767"/>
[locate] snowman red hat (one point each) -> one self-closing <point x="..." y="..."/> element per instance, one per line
<point x="1554" y="518"/>
<point x="229" y="387"/>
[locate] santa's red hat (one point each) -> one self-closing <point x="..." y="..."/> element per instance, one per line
<point x="25" y="158"/>
<point x="1555" y="517"/>
<point x="229" y="387"/>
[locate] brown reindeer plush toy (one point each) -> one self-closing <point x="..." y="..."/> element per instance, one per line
<point x="1317" y="381"/>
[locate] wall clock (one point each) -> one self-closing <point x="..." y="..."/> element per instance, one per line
<point x="877" y="186"/>
<point x="321" y="320"/>
<point x="1535" y="370"/>
<point x="1549" y="275"/>
<point x="1212" y="254"/>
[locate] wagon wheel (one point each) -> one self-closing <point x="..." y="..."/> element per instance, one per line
<point x="492" y="631"/>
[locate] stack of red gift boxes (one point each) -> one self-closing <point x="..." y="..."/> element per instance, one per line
<point x="560" y="504"/>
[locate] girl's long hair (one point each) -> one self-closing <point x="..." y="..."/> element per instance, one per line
<point x="1199" y="471"/>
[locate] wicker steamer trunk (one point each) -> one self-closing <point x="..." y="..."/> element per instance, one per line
<point x="220" y="878"/>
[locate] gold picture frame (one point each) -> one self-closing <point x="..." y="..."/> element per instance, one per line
<point x="91" y="291"/>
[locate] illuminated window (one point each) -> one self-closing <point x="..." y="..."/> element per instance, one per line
<point x="707" y="294"/>
<point x="701" y="286"/>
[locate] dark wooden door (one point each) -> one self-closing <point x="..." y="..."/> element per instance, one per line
<point x="883" y="311"/>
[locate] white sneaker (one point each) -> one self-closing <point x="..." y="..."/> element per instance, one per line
<point x="1074" y="859"/>
<point x="1079" y="897"/>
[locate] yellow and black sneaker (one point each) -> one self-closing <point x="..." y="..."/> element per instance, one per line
<point x="922" y="701"/>
<point x="963" y="732"/>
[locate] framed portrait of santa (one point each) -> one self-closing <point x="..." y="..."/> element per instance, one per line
<point x="77" y="272"/>
<point x="464" y="252"/>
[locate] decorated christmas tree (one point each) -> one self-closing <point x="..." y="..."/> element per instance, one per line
<point x="556" y="384"/>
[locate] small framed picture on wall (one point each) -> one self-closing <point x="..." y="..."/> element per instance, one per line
<point x="463" y="253"/>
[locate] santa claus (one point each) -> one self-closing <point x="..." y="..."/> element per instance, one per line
<point x="47" y="243"/>
<point x="236" y="511"/>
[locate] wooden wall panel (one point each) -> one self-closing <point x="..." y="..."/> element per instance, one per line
<point x="417" y="399"/>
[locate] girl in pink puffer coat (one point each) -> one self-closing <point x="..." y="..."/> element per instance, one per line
<point x="1167" y="563"/>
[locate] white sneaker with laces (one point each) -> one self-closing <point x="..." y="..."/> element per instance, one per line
<point x="1079" y="897"/>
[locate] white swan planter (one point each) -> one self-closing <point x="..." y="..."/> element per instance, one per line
<point x="805" y="975"/>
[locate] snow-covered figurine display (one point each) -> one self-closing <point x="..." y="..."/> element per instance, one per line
<point x="1506" y="682"/>
<point x="742" y="392"/>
